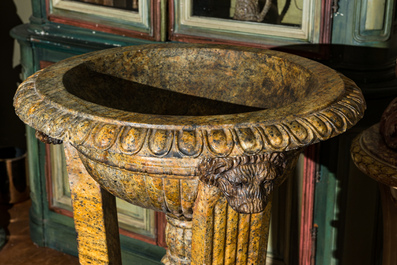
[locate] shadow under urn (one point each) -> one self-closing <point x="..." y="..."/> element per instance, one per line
<point x="203" y="133"/>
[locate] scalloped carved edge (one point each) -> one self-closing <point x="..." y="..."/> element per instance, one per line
<point x="282" y="136"/>
<point x="371" y="166"/>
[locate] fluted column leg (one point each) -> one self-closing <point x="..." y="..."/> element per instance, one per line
<point x="223" y="236"/>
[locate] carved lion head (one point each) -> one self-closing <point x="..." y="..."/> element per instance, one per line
<point x="246" y="181"/>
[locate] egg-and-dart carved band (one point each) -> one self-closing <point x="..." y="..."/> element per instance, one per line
<point x="127" y="139"/>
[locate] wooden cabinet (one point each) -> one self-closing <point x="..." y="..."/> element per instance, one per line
<point x="327" y="213"/>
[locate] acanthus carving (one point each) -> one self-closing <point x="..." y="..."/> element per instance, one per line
<point x="246" y="181"/>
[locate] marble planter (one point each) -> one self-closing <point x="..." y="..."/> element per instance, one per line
<point x="203" y="133"/>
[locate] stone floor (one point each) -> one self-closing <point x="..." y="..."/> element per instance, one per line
<point x="19" y="249"/>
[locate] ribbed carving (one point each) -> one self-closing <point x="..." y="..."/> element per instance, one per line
<point x="224" y="236"/>
<point x="170" y="194"/>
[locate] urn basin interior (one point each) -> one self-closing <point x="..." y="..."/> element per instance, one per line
<point x="197" y="82"/>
